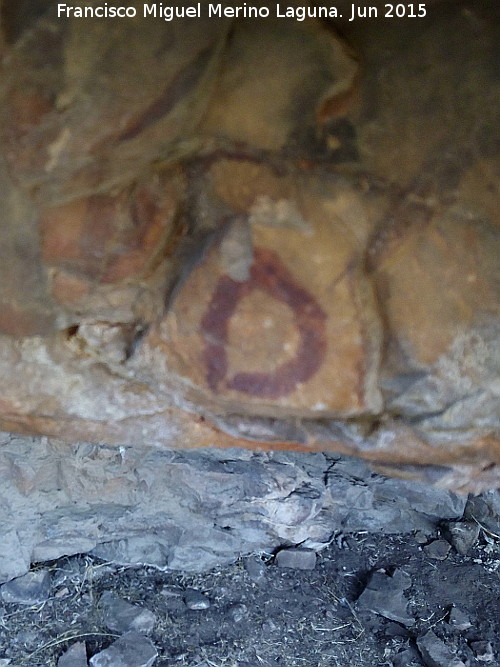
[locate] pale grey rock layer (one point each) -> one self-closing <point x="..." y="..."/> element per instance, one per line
<point x="194" y="510"/>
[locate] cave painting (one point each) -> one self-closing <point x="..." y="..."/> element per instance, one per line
<point x="269" y="275"/>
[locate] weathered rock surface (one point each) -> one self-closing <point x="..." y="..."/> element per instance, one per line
<point x="75" y="656"/>
<point x="298" y="559"/>
<point x="195" y="254"/>
<point x="384" y="595"/>
<point x="485" y="509"/>
<point x="195" y="600"/>
<point x="438" y="549"/>
<point x="31" y="588"/>
<point x="436" y="653"/>
<point x="121" y="616"/>
<point x="462" y="535"/>
<point x="130" y="650"/>
<point x="193" y="510"/>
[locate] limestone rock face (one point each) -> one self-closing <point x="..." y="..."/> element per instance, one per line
<point x="89" y="103"/>
<point x="253" y="233"/>
<point x="260" y="331"/>
<point x="192" y="510"/>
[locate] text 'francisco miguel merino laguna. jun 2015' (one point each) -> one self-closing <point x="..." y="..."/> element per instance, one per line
<point x="245" y="10"/>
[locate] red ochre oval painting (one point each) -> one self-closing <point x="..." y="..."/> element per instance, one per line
<point x="269" y="275"/>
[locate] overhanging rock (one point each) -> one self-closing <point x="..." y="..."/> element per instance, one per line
<point x="227" y="240"/>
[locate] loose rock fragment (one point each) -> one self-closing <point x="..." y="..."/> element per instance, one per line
<point x="485" y="509"/>
<point x="483" y="651"/>
<point x="421" y="536"/>
<point x="436" y="653"/>
<point x="298" y="559"/>
<point x="459" y="620"/>
<point x="255" y="568"/>
<point x="131" y="650"/>
<point x="384" y="596"/>
<point x="121" y="616"/>
<point x="196" y="600"/>
<point x="462" y="535"/>
<point x="31" y="588"/>
<point x="237" y="612"/>
<point x="438" y="549"/>
<point x="75" y="656"/>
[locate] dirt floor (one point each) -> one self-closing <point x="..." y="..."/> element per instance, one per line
<point x="370" y="600"/>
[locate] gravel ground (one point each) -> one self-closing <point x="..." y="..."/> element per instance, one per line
<point x="367" y="600"/>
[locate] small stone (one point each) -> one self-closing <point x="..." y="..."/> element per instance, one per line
<point x="459" y="620"/>
<point x="75" y="656"/>
<point x="485" y="509"/>
<point x="255" y="568"/>
<point x="483" y="651"/>
<point x="31" y="588"/>
<point x="384" y="596"/>
<point x="4" y="662"/>
<point x="131" y="650"/>
<point x="436" y="653"/>
<point x="195" y="600"/>
<point x="121" y="616"/>
<point x="438" y="549"/>
<point x="237" y="612"/>
<point x="462" y="535"/>
<point x="298" y="559"/>
<point x="421" y="536"/>
<point x="401" y="579"/>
